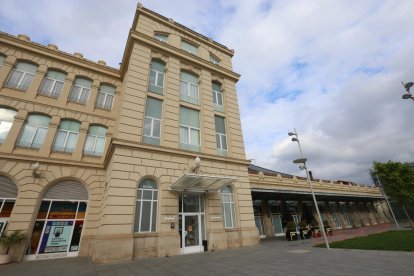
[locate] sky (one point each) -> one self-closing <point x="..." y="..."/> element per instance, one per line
<point x="331" y="69"/>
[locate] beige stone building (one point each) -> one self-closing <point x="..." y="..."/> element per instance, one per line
<point x="142" y="161"/>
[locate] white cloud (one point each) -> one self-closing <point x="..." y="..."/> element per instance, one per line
<point x="329" y="68"/>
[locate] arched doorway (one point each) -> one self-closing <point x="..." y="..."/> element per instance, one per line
<point x="8" y="195"/>
<point x="59" y="222"/>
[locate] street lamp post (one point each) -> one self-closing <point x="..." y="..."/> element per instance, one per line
<point x="407" y="87"/>
<point x="303" y="160"/>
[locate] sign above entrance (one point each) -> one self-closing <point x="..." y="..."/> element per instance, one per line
<point x="201" y="183"/>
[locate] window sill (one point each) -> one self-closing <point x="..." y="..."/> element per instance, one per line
<point x="16" y="88"/>
<point x="234" y="229"/>
<point x="27" y="147"/>
<point x="145" y="234"/>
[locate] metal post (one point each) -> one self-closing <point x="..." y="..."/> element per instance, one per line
<point x="386" y="198"/>
<point x="313" y="195"/>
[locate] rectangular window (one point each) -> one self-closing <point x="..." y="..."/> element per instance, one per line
<point x="80" y="91"/>
<point x="189" y="47"/>
<point x="22" y="75"/>
<point x="152" y="122"/>
<point x="156" y="78"/>
<point x="189" y="88"/>
<point x="95" y="141"/>
<point x="105" y="97"/>
<point x="161" y="37"/>
<point x="214" y="60"/>
<point x="52" y="84"/>
<point x="189" y="129"/>
<point x="217" y="97"/>
<point x="34" y="131"/>
<point x="67" y="136"/>
<point x="221" y="137"/>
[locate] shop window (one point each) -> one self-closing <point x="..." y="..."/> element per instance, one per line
<point x="8" y="194"/>
<point x="189" y="129"/>
<point x="156" y="78"/>
<point x="52" y="84"/>
<point x="146" y="207"/>
<point x="80" y="91"/>
<point x="95" y="141"/>
<point x="227" y="206"/>
<point x="152" y="122"/>
<point x="67" y="136"/>
<point x="22" y="75"/>
<point x="34" y="131"/>
<point x="6" y="122"/>
<point x="105" y="97"/>
<point x="189" y="88"/>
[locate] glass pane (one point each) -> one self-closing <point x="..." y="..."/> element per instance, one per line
<point x="195" y="137"/>
<point x="56" y="75"/>
<point x="137" y="216"/>
<point x="146" y="216"/>
<point x="60" y="140"/>
<point x="14" y="78"/>
<point x="44" y="208"/>
<point x="154" y="217"/>
<point x="63" y="210"/>
<point x="148" y="184"/>
<point x="35" y="238"/>
<point x="191" y="231"/>
<point x="153" y="108"/>
<point x="26" y="136"/>
<point x="71" y="142"/>
<point x="56" y="237"/>
<point x="4" y="130"/>
<point x="90" y="140"/>
<point x="26" y="67"/>
<point x="189" y="117"/>
<point x="27" y="80"/>
<point x="184" y="135"/>
<point x="81" y="210"/>
<point x="157" y="128"/>
<point x="39" y="137"/>
<point x="107" y="89"/>
<point x="77" y="231"/>
<point x="46" y="85"/>
<point x="147" y="195"/>
<point x="83" y="82"/>
<point x="223" y="142"/>
<point x="57" y="88"/>
<point x="74" y="93"/>
<point x="219" y="121"/>
<point x="227" y="215"/>
<point x="7" y="208"/>
<point x="147" y="126"/>
<point x="69" y="125"/>
<point x="191" y="203"/>
<point x="153" y="76"/>
<point x="160" y="80"/>
<point x="100" y="145"/>
<point x="38" y="120"/>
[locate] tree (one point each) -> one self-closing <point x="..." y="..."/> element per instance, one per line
<point x="397" y="180"/>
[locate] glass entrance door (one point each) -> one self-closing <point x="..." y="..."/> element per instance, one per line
<point x="191" y="223"/>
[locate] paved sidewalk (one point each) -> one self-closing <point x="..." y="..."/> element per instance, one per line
<point x="272" y="257"/>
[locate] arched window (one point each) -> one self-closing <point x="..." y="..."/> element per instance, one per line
<point x="6" y="122"/>
<point x="156" y="79"/>
<point x="217" y="97"/>
<point x="67" y="136"/>
<point x="34" y="131"/>
<point x="146" y="207"/>
<point x="95" y="141"/>
<point x="227" y="206"/>
<point x="80" y="91"/>
<point x="105" y="97"/>
<point x="52" y="84"/>
<point x="189" y="88"/>
<point x="22" y="75"/>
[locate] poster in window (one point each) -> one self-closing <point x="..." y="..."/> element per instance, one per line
<point x="56" y="237"/>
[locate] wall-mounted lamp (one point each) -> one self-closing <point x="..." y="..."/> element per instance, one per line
<point x="35" y="168"/>
<point x="196" y="168"/>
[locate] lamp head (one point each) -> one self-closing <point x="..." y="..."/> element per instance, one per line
<point x="294" y="139"/>
<point x="35" y="166"/>
<point x="407" y="96"/>
<point x="291" y="133"/>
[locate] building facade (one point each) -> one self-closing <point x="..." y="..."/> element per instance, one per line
<point x="146" y="160"/>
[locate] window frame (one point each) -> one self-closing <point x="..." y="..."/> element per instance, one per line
<point x="78" y="98"/>
<point x="106" y="95"/>
<point x="22" y="79"/>
<point x="93" y="151"/>
<point x="51" y="93"/>
<point x="64" y="148"/>
<point x="152" y="216"/>
<point x="33" y="136"/>
<point x="186" y="96"/>
<point x="216" y="95"/>
<point x="227" y="199"/>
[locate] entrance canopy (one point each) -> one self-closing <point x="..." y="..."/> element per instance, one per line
<point x="201" y="183"/>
